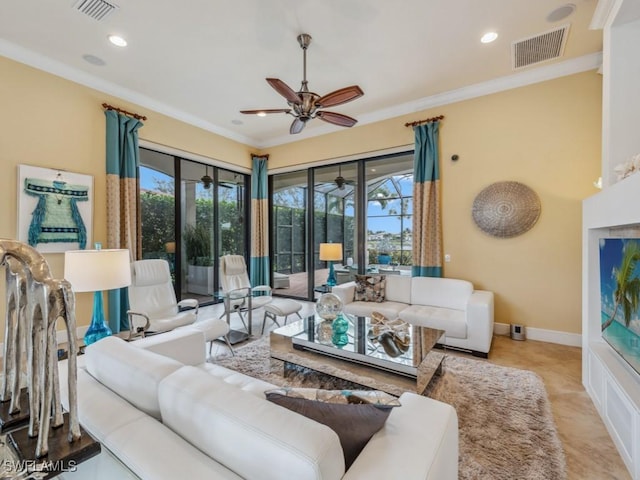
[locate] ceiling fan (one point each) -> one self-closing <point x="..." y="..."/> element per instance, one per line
<point x="340" y="180"/>
<point x="206" y="180"/>
<point x="306" y="105"/>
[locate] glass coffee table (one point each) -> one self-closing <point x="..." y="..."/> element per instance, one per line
<point x="364" y="361"/>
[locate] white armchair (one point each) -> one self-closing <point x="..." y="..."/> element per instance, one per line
<point x="153" y="305"/>
<point x="152" y="300"/>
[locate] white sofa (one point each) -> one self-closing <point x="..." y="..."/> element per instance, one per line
<point x="452" y="305"/>
<point x="161" y="412"/>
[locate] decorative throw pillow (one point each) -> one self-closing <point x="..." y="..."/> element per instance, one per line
<point x="355" y="415"/>
<point x="370" y="288"/>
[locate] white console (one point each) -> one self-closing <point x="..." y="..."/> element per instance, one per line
<point x="612" y="384"/>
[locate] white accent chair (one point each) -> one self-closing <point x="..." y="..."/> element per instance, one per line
<point x="154" y="309"/>
<point x="234" y="282"/>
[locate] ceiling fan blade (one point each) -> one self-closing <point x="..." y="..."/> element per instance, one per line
<point x="339" y="97"/>
<point x="266" y="110"/>
<point x="285" y="90"/>
<point x="337" y="119"/>
<point x="296" y="126"/>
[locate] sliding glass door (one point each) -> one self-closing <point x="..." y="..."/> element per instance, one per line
<point x="334" y="219"/>
<point x="231" y="213"/>
<point x="157" y="207"/>
<point x="196" y="226"/>
<point x="365" y="205"/>
<point x="389" y="214"/>
<point x="191" y="214"/>
<point x="289" y="237"/>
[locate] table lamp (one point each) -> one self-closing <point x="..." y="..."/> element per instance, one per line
<point x="330" y="252"/>
<point x="95" y="271"/>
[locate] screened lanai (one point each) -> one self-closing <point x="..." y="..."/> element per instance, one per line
<point x="366" y="206"/>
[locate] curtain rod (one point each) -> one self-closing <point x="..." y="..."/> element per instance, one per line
<point x="106" y="106"/>
<point x="426" y="120"/>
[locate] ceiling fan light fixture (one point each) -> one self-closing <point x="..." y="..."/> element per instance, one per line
<point x="306" y="105"/>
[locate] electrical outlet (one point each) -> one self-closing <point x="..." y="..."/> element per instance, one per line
<point x="447" y="257"/>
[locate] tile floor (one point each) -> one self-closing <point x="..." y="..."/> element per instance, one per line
<point x="590" y="452"/>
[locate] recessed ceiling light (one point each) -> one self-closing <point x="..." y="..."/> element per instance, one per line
<point x="237" y="122"/>
<point x="117" y="40"/>
<point x="489" y="37"/>
<point x="93" y="60"/>
<point x="561" y="13"/>
<point x="261" y="114"/>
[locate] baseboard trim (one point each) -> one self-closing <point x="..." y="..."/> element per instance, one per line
<point x="501" y="329"/>
<point x="542" y="335"/>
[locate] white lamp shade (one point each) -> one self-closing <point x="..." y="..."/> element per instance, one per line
<point x="330" y="251"/>
<point x="97" y="270"/>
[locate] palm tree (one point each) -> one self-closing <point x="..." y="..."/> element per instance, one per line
<point x="627" y="292"/>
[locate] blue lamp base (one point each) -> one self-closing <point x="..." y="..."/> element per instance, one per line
<point x="331" y="280"/>
<point x="98" y="328"/>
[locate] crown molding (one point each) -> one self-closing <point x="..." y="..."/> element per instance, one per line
<point x="41" y="62"/>
<point x="603" y="12"/>
<point x="508" y="82"/>
<point x="520" y="79"/>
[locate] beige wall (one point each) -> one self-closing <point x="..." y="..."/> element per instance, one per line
<point x="50" y="122"/>
<point x="545" y="135"/>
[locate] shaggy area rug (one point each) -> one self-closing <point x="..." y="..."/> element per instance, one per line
<point x="506" y="427"/>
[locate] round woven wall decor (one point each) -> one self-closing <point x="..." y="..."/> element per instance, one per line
<point x="506" y="209"/>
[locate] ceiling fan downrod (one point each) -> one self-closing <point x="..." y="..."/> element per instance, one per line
<point x="304" y="39"/>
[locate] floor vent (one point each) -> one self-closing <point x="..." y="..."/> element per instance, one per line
<point x="539" y="48"/>
<point x="96" y="9"/>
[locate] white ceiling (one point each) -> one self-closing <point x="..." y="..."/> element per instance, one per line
<point x="202" y="61"/>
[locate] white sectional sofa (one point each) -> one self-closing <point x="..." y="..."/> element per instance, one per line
<point x="452" y="305"/>
<point x="161" y="412"/>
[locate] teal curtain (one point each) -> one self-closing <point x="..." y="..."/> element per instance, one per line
<point x="260" y="274"/>
<point x="427" y="222"/>
<point x="123" y="213"/>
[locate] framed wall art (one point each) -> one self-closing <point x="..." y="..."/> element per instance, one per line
<point x="55" y="209"/>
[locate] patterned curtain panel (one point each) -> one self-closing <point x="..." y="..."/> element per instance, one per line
<point x="259" y="223"/>
<point x="427" y="223"/>
<point x="123" y="212"/>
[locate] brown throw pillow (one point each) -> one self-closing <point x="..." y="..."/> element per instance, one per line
<point x="347" y="413"/>
<point x="370" y="288"/>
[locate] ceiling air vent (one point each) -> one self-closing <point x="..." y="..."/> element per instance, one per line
<point x="539" y="48"/>
<point x="96" y="9"/>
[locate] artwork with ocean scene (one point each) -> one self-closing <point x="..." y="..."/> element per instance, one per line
<point x="620" y="296"/>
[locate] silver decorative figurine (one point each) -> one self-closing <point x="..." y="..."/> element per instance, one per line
<point x="35" y="301"/>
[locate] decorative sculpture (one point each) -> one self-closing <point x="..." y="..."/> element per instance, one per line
<point x="35" y="301"/>
<point x="506" y="209"/>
